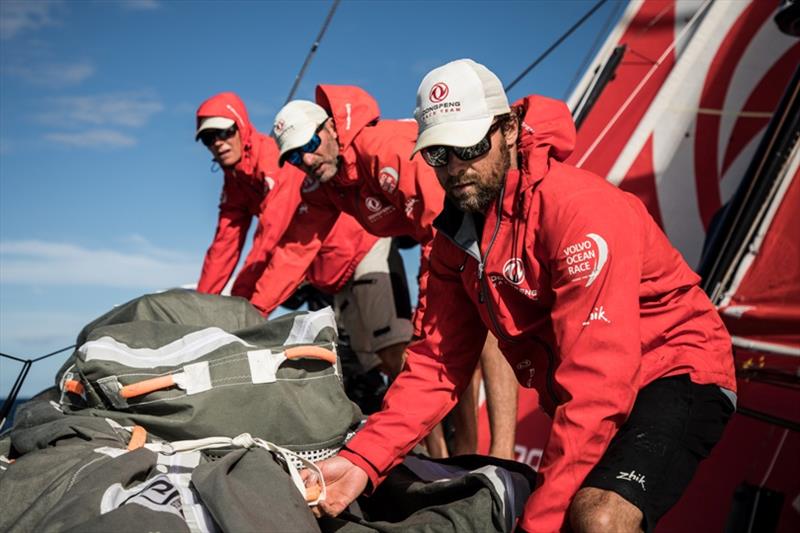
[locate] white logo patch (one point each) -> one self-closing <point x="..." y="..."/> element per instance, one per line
<point x="633" y="476"/>
<point x="373" y="204"/>
<point x="157" y="494"/>
<point x="269" y="184"/>
<point x="599" y="313"/>
<point x="586" y="259"/>
<point x="514" y="271"/>
<point x="387" y="178"/>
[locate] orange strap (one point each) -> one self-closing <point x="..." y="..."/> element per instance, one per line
<point x="311" y="352"/>
<point x="149" y="385"/>
<point x="138" y="438"/>
<point x="164" y="382"/>
<point x="74" y="386"/>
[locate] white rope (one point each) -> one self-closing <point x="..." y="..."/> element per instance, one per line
<point x="245" y="440"/>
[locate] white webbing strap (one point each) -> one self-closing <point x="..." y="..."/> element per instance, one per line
<point x="245" y="440"/>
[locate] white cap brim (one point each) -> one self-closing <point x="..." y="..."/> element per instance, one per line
<point x="214" y="123"/>
<point x="298" y="137"/>
<point x="461" y="133"/>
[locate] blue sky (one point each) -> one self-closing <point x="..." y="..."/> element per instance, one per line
<point x="104" y="195"/>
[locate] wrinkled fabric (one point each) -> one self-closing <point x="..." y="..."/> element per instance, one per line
<point x="257" y="187"/>
<point x="587" y="298"/>
<point x="388" y="193"/>
<point x="468" y="493"/>
<point x="232" y="360"/>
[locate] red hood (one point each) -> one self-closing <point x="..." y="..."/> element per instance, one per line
<point x="352" y="109"/>
<point x="229" y="105"/>
<point x="547" y="131"/>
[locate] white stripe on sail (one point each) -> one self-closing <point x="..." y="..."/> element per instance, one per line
<point x="306" y="327"/>
<point x="187" y="348"/>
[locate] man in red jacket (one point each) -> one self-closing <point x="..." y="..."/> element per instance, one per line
<point x="359" y="165"/>
<point x="255" y="186"/>
<point x="589" y="302"/>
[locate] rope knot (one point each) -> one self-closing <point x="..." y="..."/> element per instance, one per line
<point x="245" y="440"/>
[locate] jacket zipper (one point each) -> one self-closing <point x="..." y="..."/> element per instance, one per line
<point x="483" y="294"/>
<point x="482" y="298"/>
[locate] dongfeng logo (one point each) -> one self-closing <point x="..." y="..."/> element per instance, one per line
<point x="439" y="92"/>
<point x="514" y="271"/>
<point x="373" y="204"/>
<point x="388" y="179"/>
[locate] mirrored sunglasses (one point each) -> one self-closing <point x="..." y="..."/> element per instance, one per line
<point x="295" y="155"/>
<point x="209" y="137"/>
<point x="437" y="156"/>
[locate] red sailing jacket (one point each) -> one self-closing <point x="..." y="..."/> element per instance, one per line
<point x="256" y="186"/>
<point x="587" y="298"/>
<point x="388" y="194"/>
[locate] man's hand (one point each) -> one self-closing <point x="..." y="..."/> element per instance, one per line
<point x="344" y="483"/>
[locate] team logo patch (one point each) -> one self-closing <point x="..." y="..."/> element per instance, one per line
<point x="279" y="126"/>
<point x="269" y="184"/>
<point x="514" y="271"/>
<point x="438" y="92"/>
<point x="387" y="178"/>
<point x="598" y="314"/>
<point x="309" y="184"/>
<point x="157" y="494"/>
<point x="585" y="260"/>
<point x="633" y="476"/>
<point x="373" y="204"/>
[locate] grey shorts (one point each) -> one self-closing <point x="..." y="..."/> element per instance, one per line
<point x="374" y="307"/>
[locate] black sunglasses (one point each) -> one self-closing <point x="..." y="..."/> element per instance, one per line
<point x="209" y="137"/>
<point x="437" y="156"/>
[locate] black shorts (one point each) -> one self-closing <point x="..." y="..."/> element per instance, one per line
<point x="674" y="424"/>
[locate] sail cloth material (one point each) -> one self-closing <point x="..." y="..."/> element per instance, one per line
<point x="224" y="371"/>
<point x="216" y="446"/>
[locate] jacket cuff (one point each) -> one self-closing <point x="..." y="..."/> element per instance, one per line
<point x="373" y="475"/>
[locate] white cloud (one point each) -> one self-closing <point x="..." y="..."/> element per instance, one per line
<point x="35" y="262"/>
<point x="141" y="5"/>
<point x="97" y="138"/>
<point x="18" y="16"/>
<point x="116" y="109"/>
<point x="52" y="74"/>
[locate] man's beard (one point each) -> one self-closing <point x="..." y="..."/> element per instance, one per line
<point x="486" y="189"/>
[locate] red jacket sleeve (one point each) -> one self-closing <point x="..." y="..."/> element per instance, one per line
<point x="438" y="368"/>
<point x="293" y="255"/>
<point x="595" y="256"/>
<point x="422" y="281"/>
<point x="223" y="254"/>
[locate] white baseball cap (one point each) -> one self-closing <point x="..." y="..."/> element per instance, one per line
<point x="295" y="124"/>
<point x="213" y="123"/>
<point x="456" y="104"/>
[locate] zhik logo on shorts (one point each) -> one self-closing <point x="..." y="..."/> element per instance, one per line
<point x="633" y="476"/>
